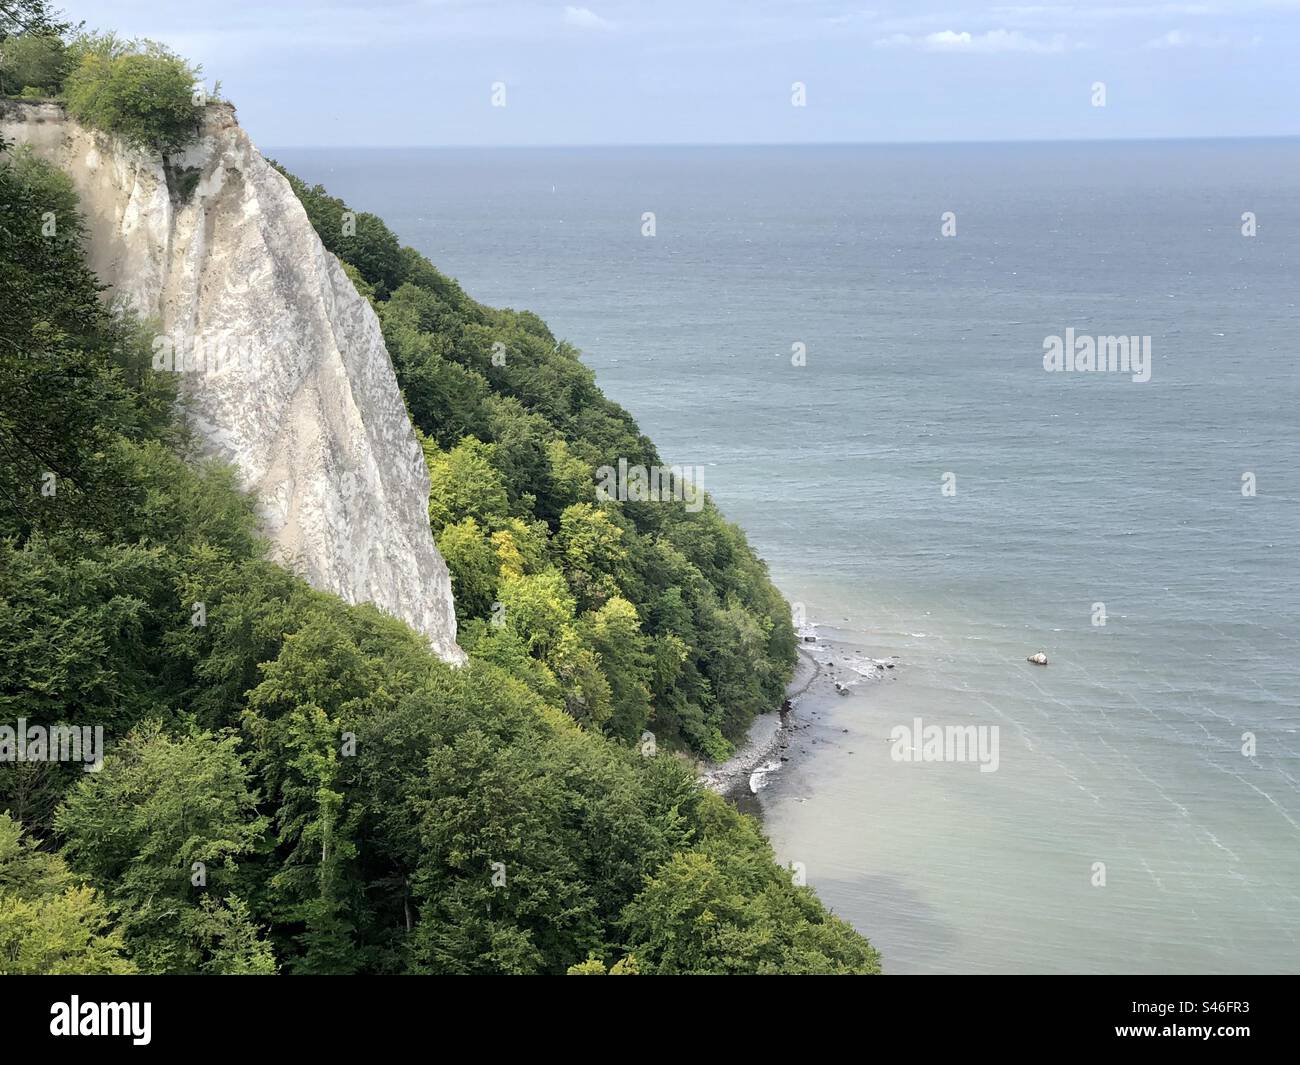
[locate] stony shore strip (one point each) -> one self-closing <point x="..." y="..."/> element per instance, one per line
<point x="768" y="737"/>
<point x="824" y="670"/>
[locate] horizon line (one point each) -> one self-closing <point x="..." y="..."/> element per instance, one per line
<point x="804" y="144"/>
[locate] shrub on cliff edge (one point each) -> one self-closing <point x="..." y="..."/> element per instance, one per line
<point x="138" y="90"/>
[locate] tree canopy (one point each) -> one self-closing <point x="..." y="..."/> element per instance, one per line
<point x="139" y="90"/>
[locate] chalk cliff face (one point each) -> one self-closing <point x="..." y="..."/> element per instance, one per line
<point x="282" y="363"/>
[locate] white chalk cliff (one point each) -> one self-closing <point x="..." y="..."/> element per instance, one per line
<point x="293" y="384"/>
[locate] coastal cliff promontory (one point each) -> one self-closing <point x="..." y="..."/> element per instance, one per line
<point x="282" y="364"/>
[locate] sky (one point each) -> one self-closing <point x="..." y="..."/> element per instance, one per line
<point x="434" y="72"/>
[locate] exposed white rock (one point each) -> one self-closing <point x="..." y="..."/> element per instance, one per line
<point x="286" y="374"/>
<point x="1039" y="659"/>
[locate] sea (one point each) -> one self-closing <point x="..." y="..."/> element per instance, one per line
<point x="848" y="342"/>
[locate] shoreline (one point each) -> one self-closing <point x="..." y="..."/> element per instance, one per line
<point x="768" y="737"/>
<point x="824" y="672"/>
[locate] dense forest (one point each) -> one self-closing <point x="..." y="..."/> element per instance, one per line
<point x="297" y="785"/>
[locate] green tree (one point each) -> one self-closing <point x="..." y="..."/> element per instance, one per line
<point x="465" y="484"/>
<point x="725" y="907"/>
<point x="537" y="607"/>
<point x="229" y="938"/>
<point x="30" y="16"/>
<point x="592" y="553"/>
<point x="71" y="383"/>
<point x="50" y="924"/>
<point x="165" y="822"/>
<point x="614" y="633"/>
<point x="145" y="96"/>
<point x="580" y="681"/>
<point x="595" y="967"/>
<point x="473" y="565"/>
<point x="33" y="61"/>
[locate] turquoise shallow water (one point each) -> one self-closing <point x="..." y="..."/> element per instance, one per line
<point x="924" y="357"/>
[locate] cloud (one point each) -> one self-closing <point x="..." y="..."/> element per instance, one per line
<point x="586" y="19"/>
<point x="1183" y="39"/>
<point x="1172" y="39"/>
<point x="976" y="43"/>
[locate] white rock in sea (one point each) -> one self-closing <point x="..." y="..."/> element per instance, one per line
<point x="297" y="390"/>
<point x="1039" y="659"/>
